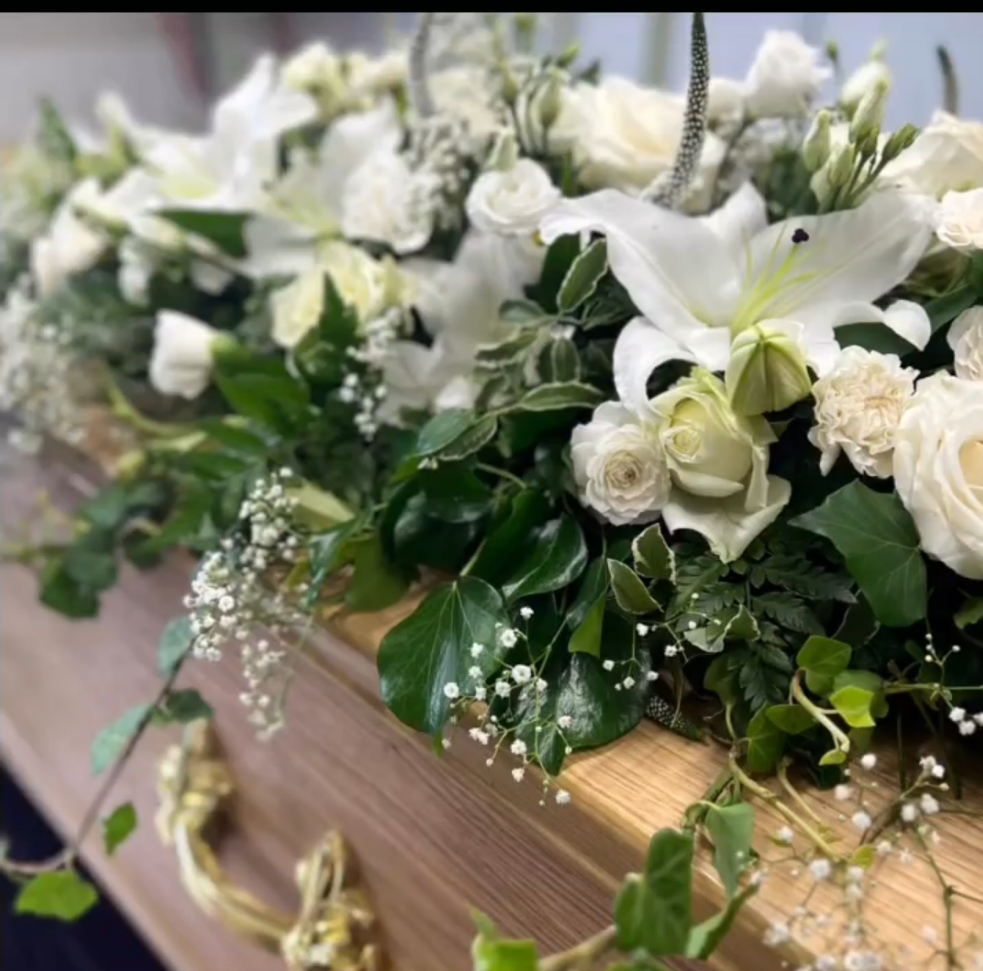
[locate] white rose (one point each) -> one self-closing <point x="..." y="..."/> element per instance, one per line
<point x="864" y="79"/>
<point x="181" y="362"/>
<point x="938" y="470"/>
<point x="382" y="204"/>
<point x="965" y="337"/>
<point x="785" y="77"/>
<point x="946" y="156"/>
<point x="69" y="246"/>
<point x="512" y="203"/>
<point x="960" y="220"/>
<point x="363" y="283"/>
<point x="623" y="136"/>
<point x="619" y="466"/>
<point x="859" y="405"/>
<point x="718" y="461"/>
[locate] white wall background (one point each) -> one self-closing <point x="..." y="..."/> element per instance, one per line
<point x="73" y="56"/>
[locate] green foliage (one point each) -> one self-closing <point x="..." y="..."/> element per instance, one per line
<point x="556" y="559"/>
<point x="118" y="826"/>
<point x="59" y="894"/>
<point x="175" y="642"/>
<point x="225" y="229"/>
<point x="583" y="276"/>
<point x="112" y="741"/>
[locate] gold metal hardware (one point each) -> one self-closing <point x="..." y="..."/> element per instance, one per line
<point x="332" y="932"/>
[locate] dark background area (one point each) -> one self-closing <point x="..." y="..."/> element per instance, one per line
<point x="100" y="941"/>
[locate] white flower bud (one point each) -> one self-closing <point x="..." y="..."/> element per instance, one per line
<point x="839" y="169"/>
<point x="767" y="369"/>
<point x="182" y="358"/>
<point x="865" y="125"/>
<point x="818" y="142"/>
<point x="861" y="82"/>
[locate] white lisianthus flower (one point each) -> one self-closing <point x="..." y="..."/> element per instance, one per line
<point x="785" y="78"/>
<point x="938" y="470"/>
<point x="859" y="405"/>
<point x="181" y="362"/>
<point x="960" y="220"/>
<point x="718" y="461"/>
<point x="315" y="68"/>
<point x="620" y="467"/>
<point x="623" y="136"/>
<point x="68" y="246"/>
<point x="864" y="79"/>
<point x="965" y="337"/>
<point x="512" y="203"/>
<point x="947" y="156"/>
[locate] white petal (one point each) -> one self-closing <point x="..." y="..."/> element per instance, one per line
<point x="726" y="524"/>
<point x="906" y="318"/>
<point x="850" y="257"/>
<point x="740" y="218"/>
<point x="676" y="269"/>
<point x="276" y="247"/>
<point x="641" y="347"/>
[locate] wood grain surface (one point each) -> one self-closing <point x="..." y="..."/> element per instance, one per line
<point x="433" y="836"/>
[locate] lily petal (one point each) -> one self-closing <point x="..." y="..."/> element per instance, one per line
<point x="641" y="347"/>
<point x="662" y="258"/>
<point x="726" y="524"/>
<point x="740" y="218"/>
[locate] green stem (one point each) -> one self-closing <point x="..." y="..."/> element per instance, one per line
<point x="796" y="796"/>
<point x="583" y="955"/>
<point x="125" y="411"/>
<point x="840" y="737"/>
<point x="501" y="473"/>
<point x="951" y="960"/>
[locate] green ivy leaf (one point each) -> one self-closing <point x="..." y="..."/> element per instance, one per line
<point x="586" y="638"/>
<point x="653" y="557"/>
<point x="560" y="395"/>
<point x="432" y="648"/>
<point x="853" y="705"/>
<point x="766" y="742"/>
<point x="879" y="542"/>
<point x="376" y="582"/>
<point x="557" y="557"/>
<point x="823" y="659"/>
<point x="60" y="894"/>
<point x="327" y="554"/>
<point x="629" y="590"/>
<point x="945" y="309"/>
<point x="181" y="707"/>
<point x="118" y="826"/>
<point x="583" y="276"/>
<point x="510" y="540"/>
<point x="586" y="616"/>
<point x="706" y="937"/>
<point x="868" y="681"/>
<point x="791" y="719"/>
<point x="490" y="952"/>
<point x="653" y="910"/>
<point x="442" y="430"/>
<point x="62" y="592"/>
<point x="112" y="740"/>
<point x="174" y="644"/>
<point x="732" y="830"/>
<point x="225" y="229"/>
<point x="971" y="612"/>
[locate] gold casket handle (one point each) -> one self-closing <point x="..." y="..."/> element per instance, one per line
<point x="333" y="929"/>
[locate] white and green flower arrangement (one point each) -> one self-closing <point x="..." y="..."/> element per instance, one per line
<point x="664" y="399"/>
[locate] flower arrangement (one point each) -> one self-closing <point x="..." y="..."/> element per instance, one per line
<point x="674" y="405"/>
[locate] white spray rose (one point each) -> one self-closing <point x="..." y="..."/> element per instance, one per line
<point x="859" y="405"/>
<point x="623" y="135"/>
<point x="619" y="466"/>
<point x="960" y="220"/>
<point x="785" y="77"/>
<point x="181" y="362"/>
<point x="965" y="337"/>
<point x="938" y="470"/>
<point x="946" y="156"/>
<point x="69" y="246"/>
<point x="718" y="461"/>
<point x="512" y="203"/>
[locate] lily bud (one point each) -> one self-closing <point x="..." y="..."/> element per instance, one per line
<point x="839" y="169"/>
<point x="510" y="86"/>
<point x="869" y="116"/>
<point x="504" y="153"/>
<point x="767" y="370"/>
<point x="902" y="139"/>
<point x="550" y="102"/>
<point x="817" y="145"/>
<point x="861" y="82"/>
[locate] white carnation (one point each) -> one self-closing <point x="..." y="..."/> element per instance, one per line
<point x="960" y="220"/>
<point x="620" y="467"/>
<point x="859" y="404"/>
<point x="938" y="470"/>
<point x="512" y="203"/>
<point x="181" y="362"/>
<point x="785" y="78"/>
<point x="965" y="337"/>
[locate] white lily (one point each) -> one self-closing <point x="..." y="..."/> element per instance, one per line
<point x="308" y="203"/>
<point x="227" y="169"/>
<point x="701" y="281"/>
